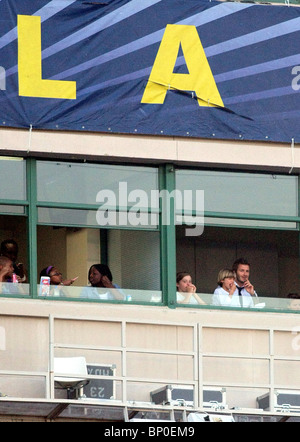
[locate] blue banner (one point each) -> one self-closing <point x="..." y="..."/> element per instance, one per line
<point x="187" y="68"/>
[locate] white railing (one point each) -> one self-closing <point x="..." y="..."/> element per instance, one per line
<point x="194" y="360"/>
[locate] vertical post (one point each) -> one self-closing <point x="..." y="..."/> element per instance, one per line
<point x="32" y="224"/>
<point x="271" y="370"/>
<point x="199" y="401"/>
<point x="168" y="235"/>
<point x="51" y="390"/>
<point x="104" y="246"/>
<point x="124" y="361"/>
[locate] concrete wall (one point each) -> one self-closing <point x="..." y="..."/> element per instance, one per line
<point x="248" y="353"/>
<point x="216" y="153"/>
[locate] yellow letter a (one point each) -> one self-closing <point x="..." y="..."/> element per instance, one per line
<point x="200" y="78"/>
<point x="31" y="83"/>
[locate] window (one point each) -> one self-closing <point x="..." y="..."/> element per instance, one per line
<point x="89" y="214"/>
<point x="254" y="216"/>
<point x="249" y="197"/>
<point x="146" y="223"/>
<point x="12" y="172"/>
<point x="13" y="221"/>
<point x="72" y="183"/>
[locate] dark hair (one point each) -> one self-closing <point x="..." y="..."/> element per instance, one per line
<point x="46" y="271"/>
<point x="6" y="242"/>
<point x="181" y="275"/>
<point x="103" y="269"/>
<point x="240" y="261"/>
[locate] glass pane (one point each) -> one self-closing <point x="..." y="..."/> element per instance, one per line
<point x="67" y="217"/>
<point x="243" y="192"/>
<point x="260" y="303"/>
<point x="12" y="171"/>
<point x="67" y="255"/>
<point x="196" y="224"/>
<point x="12" y="210"/>
<point x="273" y="256"/>
<point x="98" y="294"/>
<point x="134" y="258"/>
<point x="250" y="223"/>
<point x="9" y="289"/>
<point x="98" y="218"/>
<point x="14" y="246"/>
<point x="81" y="183"/>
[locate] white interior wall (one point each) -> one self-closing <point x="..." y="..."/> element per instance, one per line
<point x="134" y="259"/>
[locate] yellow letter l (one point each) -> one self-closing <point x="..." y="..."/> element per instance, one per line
<point x="31" y="83"/>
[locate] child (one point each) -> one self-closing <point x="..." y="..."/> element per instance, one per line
<point x="224" y="293"/>
<point x="6" y="269"/>
<point x="186" y="291"/>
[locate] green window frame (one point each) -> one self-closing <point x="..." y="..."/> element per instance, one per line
<point x="252" y="220"/>
<point x="167" y="232"/>
<point x="85" y="207"/>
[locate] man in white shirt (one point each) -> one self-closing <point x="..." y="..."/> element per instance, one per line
<point x="244" y="288"/>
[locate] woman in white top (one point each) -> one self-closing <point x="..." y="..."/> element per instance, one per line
<point x="186" y="290"/>
<point x="102" y="287"/>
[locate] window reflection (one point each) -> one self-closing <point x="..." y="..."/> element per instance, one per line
<point x="243" y="193"/>
<point x="16" y="168"/>
<point x="64" y="182"/>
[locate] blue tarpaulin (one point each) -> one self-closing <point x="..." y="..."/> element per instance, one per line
<point x="188" y="68"/>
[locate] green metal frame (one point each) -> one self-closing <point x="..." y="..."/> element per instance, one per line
<point x="168" y="239"/>
<point x="32" y="218"/>
<point x="167" y="182"/>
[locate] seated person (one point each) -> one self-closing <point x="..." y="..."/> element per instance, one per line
<point x="294" y="303"/>
<point x="6" y="274"/>
<point x="6" y="269"/>
<point x="226" y="294"/>
<point x="186" y="291"/>
<point x="102" y="287"/>
<point x="56" y="280"/>
<point x="10" y="249"/>
<point x="244" y="288"/>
